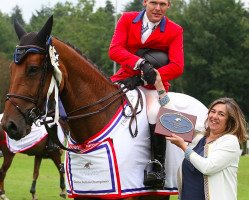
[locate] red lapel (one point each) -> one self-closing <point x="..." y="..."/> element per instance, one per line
<point x="136" y="30"/>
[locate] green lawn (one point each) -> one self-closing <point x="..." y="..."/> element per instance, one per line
<point x="19" y="179"/>
<point x="243" y="178"/>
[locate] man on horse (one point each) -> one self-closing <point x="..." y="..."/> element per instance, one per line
<point x="149" y="29"/>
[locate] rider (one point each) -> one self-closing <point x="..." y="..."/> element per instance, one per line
<point x="149" y="29"/>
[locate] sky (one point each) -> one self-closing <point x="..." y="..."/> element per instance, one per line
<point x="30" y="6"/>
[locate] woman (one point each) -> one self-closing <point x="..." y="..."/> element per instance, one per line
<point x="209" y="170"/>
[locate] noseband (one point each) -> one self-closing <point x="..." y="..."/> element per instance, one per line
<point x="31" y="115"/>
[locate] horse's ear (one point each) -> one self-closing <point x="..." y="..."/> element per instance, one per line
<point x="19" y="29"/>
<point x="45" y="32"/>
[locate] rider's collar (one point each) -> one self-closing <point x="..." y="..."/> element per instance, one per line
<point x="22" y="51"/>
<point x="139" y="17"/>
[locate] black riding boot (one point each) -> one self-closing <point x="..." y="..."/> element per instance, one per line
<point x="156" y="176"/>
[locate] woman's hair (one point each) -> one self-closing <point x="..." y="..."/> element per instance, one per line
<point x="236" y="123"/>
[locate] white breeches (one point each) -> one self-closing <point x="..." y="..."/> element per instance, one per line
<point x="153" y="106"/>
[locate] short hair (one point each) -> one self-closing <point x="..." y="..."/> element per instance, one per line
<point x="236" y="123"/>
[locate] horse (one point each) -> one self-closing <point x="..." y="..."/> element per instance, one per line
<point x="99" y="160"/>
<point x="40" y="150"/>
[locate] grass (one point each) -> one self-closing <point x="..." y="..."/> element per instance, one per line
<point x="243" y="178"/>
<point x="19" y="178"/>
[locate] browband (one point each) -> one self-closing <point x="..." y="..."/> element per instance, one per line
<point x="22" y="51"/>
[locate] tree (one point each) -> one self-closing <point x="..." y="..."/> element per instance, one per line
<point x="17" y="14"/>
<point x="135" y="5"/>
<point x="176" y="10"/>
<point x="214" y="66"/>
<point x="4" y="77"/>
<point x="38" y="18"/>
<point x="175" y="13"/>
<point x="7" y="36"/>
<point x="109" y="8"/>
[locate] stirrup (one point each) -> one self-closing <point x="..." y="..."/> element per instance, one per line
<point x="154" y="179"/>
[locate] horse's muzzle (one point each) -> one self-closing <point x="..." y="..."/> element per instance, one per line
<point x="14" y="131"/>
<point x="11" y="129"/>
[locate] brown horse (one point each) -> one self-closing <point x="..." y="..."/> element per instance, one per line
<point x="90" y="101"/>
<point x="40" y="151"/>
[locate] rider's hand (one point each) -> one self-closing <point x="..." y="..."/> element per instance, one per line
<point x="132" y="82"/>
<point x="149" y="74"/>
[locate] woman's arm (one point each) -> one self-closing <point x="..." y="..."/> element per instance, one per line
<point x="226" y="149"/>
<point x="163" y="97"/>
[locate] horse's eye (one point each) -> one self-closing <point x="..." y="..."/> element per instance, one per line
<point x="33" y="70"/>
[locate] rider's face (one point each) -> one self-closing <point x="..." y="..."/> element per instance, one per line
<point x="156" y="9"/>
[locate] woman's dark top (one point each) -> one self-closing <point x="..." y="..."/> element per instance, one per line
<point x="192" y="179"/>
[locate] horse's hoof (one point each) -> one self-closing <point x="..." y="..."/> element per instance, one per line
<point x="34" y="197"/>
<point x="3" y="197"/>
<point x="63" y="194"/>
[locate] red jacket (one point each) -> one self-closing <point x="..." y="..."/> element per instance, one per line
<point x="126" y="41"/>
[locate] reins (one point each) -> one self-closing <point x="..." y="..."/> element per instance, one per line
<point x="134" y="112"/>
<point x="120" y="92"/>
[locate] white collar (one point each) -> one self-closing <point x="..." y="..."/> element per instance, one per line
<point x="147" y="21"/>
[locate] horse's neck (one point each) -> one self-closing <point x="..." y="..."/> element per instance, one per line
<point x="83" y="84"/>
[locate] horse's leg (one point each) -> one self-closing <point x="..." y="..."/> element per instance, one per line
<point x="37" y="164"/>
<point x="7" y="160"/>
<point x="55" y="155"/>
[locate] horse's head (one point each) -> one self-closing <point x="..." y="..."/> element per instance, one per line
<point x="29" y="81"/>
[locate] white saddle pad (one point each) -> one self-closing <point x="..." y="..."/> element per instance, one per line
<point x="114" y="168"/>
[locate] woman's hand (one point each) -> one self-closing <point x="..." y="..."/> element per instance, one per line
<point x="178" y="141"/>
<point x="158" y="83"/>
<point x="158" y="77"/>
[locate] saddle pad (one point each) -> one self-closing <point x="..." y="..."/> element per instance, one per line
<point x="93" y="172"/>
<point x="114" y="168"/>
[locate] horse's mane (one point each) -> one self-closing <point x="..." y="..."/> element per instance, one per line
<point x="85" y="57"/>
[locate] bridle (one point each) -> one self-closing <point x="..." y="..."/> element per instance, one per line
<point x="30" y="115"/>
